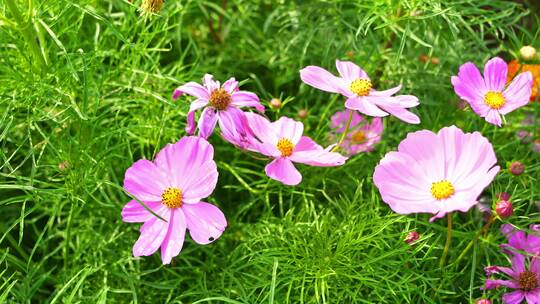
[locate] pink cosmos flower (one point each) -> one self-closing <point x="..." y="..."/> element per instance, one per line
<point x="356" y="85"/>
<point x="525" y="279"/>
<point x="436" y="173"/>
<point x="172" y="186"/>
<point x="488" y="96"/>
<point x="221" y="104"/>
<point x="282" y="140"/>
<point x="519" y="240"/>
<point x="362" y="136"/>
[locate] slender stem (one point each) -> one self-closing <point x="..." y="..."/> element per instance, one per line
<point x="344" y="132"/>
<point x="482" y="231"/>
<point x="27" y="33"/>
<point x="448" y="240"/>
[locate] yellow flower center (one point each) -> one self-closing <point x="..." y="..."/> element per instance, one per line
<point x="285" y="146"/>
<point x="358" y="137"/>
<point x="442" y="190"/>
<point x="494" y="100"/>
<point x="220" y="99"/>
<point x="172" y="198"/>
<point x="361" y="86"/>
<point x="528" y="280"/>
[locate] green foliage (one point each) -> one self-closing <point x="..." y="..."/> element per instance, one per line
<point x="85" y="91"/>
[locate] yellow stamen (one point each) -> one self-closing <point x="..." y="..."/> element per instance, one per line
<point x="361" y="86"/>
<point x="494" y="100"/>
<point x="172" y="198"/>
<point x="358" y="137"/>
<point x="285" y="146"/>
<point x="442" y="189"/>
<point x="220" y="99"/>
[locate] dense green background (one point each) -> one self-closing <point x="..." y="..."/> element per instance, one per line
<point x="101" y="100"/>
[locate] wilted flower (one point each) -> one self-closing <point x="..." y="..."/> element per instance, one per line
<point x="517" y="168"/>
<point x="412" y="237"/>
<point x="436" y="173"/>
<point x="361" y="136"/>
<point x="504" y="208"/>
<point x="488" y="96"/>
<point x="221" y="104"/>
<point x="172" y="187"/>
<point x="355" y="84"/>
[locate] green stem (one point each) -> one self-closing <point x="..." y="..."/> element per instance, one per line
<point x="344" y="132"/>
<point x="484" y="229"/>
<point x="27" y="33"/>
<point x="448" y="240"/>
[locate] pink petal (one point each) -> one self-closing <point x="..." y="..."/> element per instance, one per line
<point x="210" y="83"/>
<point x="364" y="106"/>
<point x="134" y="212"/>
<point x="401" y="113"/>
<point x="262" y="128"/>
<point x="350" y="71"/>
<point x="533" y="296"/>
<point x="247" y="99"/>
<point x="491" y="284"/>
<point x="205" y="222"/>
<point x="145" y="181"/>
<point x="518" y="93"/>
<point x="338" y="121"/>
<point x="306" y="144"/>
<point x="153" y="233"/>
<point x="321" y="79"/>
<point x="469" y="84"/>
<point x="230" y="85"/>
<point x="283" y="170"/>
<point x="235" y="128"/>
<point x="319" y="158"/>
<point x="494" y="118"/>
<point x="192" y="88"/>
<point x="174" y="240"/>
<point x="197" y="104"/>
<point x="495" y="72"/>
<point x="201" y="183"/>
<point x="515" y="297"/>
<point x="406" y="101"/>
<point x="386" y="93"/>
<point x="426" y="149"/>
<point x="190" y="125"/>
<point x="207" y="122"/>
<point x="288" y="128"/>
<point x="518" y="262"/>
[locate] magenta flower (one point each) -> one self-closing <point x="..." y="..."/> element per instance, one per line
<point x="356" y="85"/>
<point x="525" y="279"/>
<point x="519" y="240"/>
<point x="172" y="186"/>
<point x="282" y="140"/>
<point x="362" y="136"/>
<point x="221" y="104"/>
<point x="488" y="96"/>
<point x="436" y="173"/>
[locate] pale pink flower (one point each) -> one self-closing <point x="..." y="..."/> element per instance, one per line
<point x="221" y="104"/>
<point x="362" y="136"/>
<point x="489" y="96"/>
<point x="282" y="140"/>
<point x="172" y="187"/>
<point x="356" y="85"/>
<point x="436" y="172"/>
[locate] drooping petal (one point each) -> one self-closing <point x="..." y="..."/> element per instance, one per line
<point x="134" y="212"/>
<point x="515" y="297"/>
<point x="231" y="85"/>
<point x="319" y="158"/>
<point x="291" y="129"/>
<point x="205" y="222"/>
<point x="247" y="99"/>
<point x="491" y="284"/>
<point x="210" y="83"/>
<point x="495" y="72"/>
<point x="406" y="101"/>
<point x="174" y="240"/>
<point x="193" y="89"/>
<point x="207" y="122"/>
<point x="518" y="93"/>
<point x="401" y="113"/>
<point x="364" y="106"/>
<point x="321" y="79"/>
<point x="494" y="118"/>
<point x="386" y="93"/>
<point x="283" y="170"/>
<point x="145" y="181"/>
<point x="350" y="71"/>
<point x="190" y="125"/>
<point x="235" y="128"/>
<point x="153" y="233"/>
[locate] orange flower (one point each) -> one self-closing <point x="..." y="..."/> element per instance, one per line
<point x="514" y="67"/>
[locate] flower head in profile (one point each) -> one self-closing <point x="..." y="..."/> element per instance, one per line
<point x="362" y="136"/>
<point x="172" y="187"/>
<point x="282" y="140"/>
<point x="356" y="85"/>
<point x="221" y="104"/>
<point x="436" y="172"/>
<point x="489" y="96"/>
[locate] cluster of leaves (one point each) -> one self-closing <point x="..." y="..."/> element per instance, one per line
<point x="86" y="90"/>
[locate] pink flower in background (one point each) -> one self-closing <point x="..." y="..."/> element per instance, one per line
<point x="282" y="140"/>
<point x="355" y="84"/>
<point x="436" y="173"/>
<point x="362" y="136"/>
<point x="221" y="104"/>
<point x="488" y="96"/>
<point x="519" y="240"/>
<point x="172" y="186"/>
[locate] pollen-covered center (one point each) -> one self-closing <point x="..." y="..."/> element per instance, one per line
<point x="494" y="100"/>
<point x="361" y="86"/>
<point x="220" y="99"/>
<point x="285" y="146"/>
<point x="442" y="189"/>
<point x="528" y="280"/>
<point x="172" y="197"/>
<point x="358" y="137"/>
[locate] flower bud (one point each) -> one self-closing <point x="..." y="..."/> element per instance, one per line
<point x="504" y="208"/>
<point x="275" y="103"/>
<point x="412" y="237"/>
<point x="527" y="52"/>
<point x="63" y="165"/>
<point x="435" y="60"/>
<point x="151" y="6"/>
<point x="503" y="196"/>
<point x="303" y="113"/>
<point x="350" y="54"/>
<point x="483" y="301"/>
<point x="517" y="168"/>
